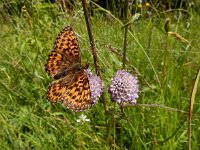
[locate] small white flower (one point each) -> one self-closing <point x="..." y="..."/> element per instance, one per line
<point x="82" y="119"/>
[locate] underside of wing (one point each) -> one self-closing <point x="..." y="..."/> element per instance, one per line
<point x="66" y="52"/>
<point x="67" y="43"/>
<point x="56" y="63"/>
<point x="57" y="88"/>
<point x="71" y="86"/>
<point x="77" y="96"/>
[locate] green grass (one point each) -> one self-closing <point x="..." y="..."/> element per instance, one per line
<point x="29" y="121"/>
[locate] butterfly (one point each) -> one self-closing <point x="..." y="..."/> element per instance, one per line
<point x="71" y="85"/>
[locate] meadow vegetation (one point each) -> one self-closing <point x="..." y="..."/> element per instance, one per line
<point x="166" y="68"/>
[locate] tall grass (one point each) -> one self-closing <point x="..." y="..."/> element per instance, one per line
<point x="29" y="121"/>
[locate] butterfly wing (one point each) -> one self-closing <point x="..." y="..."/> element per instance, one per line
<point x="58" y="87"/>
<point x="73" y="90"/>
<point x="66" y="52"/>
<point x="72" y="85"/>
<point x="77" y="96"/>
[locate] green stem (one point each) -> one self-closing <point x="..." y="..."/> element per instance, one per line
<point x="192" y="98"/>
<point x="125" y="33"/>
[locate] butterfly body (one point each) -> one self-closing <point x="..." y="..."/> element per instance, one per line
<point x="71" y="85"/>
<point x="70" y="70"/>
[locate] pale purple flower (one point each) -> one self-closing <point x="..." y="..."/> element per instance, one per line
<point x="124" y="87"/>
<point x="96" y="86"/>
<point x="140" y="1"/>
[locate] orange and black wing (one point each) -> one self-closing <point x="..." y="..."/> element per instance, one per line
<point x="57" y="88"/>
<point x="77" y="96"/>
<point x="66" y="52"/>
<point x="73" y="90"/>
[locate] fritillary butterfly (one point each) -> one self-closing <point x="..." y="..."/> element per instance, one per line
<point x="71" y="85"/>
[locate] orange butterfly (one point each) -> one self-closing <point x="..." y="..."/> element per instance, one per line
<point x="71" y="85"/>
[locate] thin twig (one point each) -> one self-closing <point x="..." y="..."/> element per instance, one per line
<point x="89" y="29"/>
<point x="125" y="34"/>
<point x="174" y="133"/>
<point x="93" y="47"/>
<point x="157" y="106"/>
<point x="125" y="42"/>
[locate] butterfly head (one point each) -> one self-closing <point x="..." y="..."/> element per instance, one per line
<point x="85" y="66"/>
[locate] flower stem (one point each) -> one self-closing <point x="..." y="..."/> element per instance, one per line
<point x="125" y="33"/>
<point x="93" y="47"/>
<point x="91" y="38"/>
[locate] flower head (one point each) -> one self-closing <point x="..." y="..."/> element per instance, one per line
<point x="124" y="87"/>
<point x="96" y="85"/>
<point x="130" y="3"/>
<point x="140" y="1"/>
<point x="82" y="119"/>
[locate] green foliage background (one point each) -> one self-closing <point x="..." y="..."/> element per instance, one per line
<point x="29" y="121"/>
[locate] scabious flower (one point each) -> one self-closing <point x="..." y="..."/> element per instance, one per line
<point x="96" y="86"/>
<point x="82" y="119"/>
<point x="124" y="87"/>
